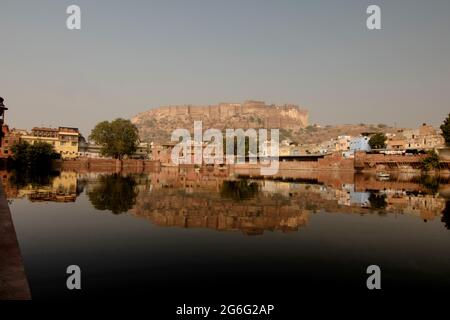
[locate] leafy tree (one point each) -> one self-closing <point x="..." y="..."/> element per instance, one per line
<point x="114" y="193"/>
<point x="36" y="178"/>
<point x="378" y="141"/>
<point x="431" y="162"/>
<point x="33" y="156"/>
<point x="116" y="138"/>
<point x="445" y="127"/>
<point x="430" y="182"/>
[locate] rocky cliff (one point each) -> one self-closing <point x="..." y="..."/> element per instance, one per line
<point x="157" y="124"/>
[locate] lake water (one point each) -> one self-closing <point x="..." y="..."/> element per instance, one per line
<point x="201" y="235"/>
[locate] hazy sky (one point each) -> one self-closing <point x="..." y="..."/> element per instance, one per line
<point x="130" y="56"/>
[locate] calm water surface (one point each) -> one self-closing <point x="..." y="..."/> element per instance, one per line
<point x="193" y="234"/>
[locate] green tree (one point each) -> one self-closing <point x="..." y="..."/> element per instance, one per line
<point x="445" y="127"/>
<point x="114" y="193"/>
<point x="431" y="162"/>
<point x="116" y="138"/>
<point x="21" y="178"/>
<point x="378" y="141"/>
<point x="33" y="156"/>
<point x="430" y="182"/>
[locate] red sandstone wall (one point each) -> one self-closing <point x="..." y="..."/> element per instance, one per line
<point x="335" y="162"/>
<point x="362" y="156"/>
<point x="111" y="165"/>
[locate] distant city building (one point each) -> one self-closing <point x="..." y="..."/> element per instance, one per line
<point x="162" y="152"/>
<point x="360" y="143"/>
<point x="396" y="142"/>
<point x="342" y="143"/>
<point x="423" y="138"/>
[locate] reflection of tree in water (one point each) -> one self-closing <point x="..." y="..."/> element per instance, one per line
<point x="114" y="193"/>
<point x="446" y="215"/>
<point x="239" y="189"/>
<point x="21" y="179"/>
<point x="430" y="182"/>
<point x="377" y="201"/>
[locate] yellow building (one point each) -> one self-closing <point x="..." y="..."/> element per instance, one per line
<point x="63" y="139"/>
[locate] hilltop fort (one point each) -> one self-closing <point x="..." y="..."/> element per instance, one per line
<point x="158" y="123"/>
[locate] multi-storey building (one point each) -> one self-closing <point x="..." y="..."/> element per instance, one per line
<point x="9" y="138"/>
<point x="425" y="138"/>
<point x="360" y="143"/>
<point x="63" y="139"/>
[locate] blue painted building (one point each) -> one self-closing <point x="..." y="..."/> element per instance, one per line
<point x="360" y="144"/>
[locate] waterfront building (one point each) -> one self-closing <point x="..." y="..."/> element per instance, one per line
<point x="63" y="139"/>
<point x="89" y="150"/>
<point x="360" y="143"/>
<point x="396" y="142"/>
<point x="339" y="144"/>
<point x="342" y="143"/>
<point x="9" y="138"/>
<point x="162" y="152"/>
<point x="92" y="150"/>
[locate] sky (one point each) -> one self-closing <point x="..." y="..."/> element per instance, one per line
<point x="130" y="56"/>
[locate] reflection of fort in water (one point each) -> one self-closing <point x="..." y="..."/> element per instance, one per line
<point x="211" y="198"/>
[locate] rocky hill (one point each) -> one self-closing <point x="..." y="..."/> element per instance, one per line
<point x="318" y="134"/>
<point x="157" y="124"/>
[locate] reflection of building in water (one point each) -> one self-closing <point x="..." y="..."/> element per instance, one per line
<point x="186" y="196"/>
<point x="189" y="178"/>
<point x="360" y="198"/>
<point x="346" y="199"/>
<point x="191" y="199"/>
<point x="176" y="208"/>
<point x="347" y="196"/>
<point x="62" y="188"/>
<point x="427" y="207"/>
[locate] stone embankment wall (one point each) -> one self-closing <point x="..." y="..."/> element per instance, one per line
<point x="362" y="162"/>
<point x="110" y="165"/>
<point x="13" y="281"/>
